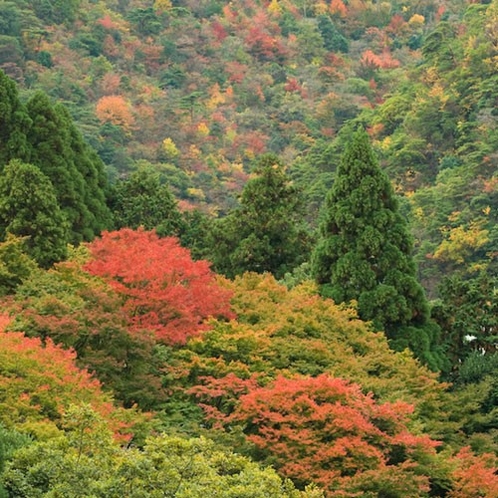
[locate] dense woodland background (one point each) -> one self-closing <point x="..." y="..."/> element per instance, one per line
<point x="248" y="248"/>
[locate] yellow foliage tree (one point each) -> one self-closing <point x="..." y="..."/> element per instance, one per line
<point x="170" y="148"/>
<point x="274" y="8"/>
<point x="203" y="129"/>
<point x="162" y="5"/>
<point x="461" y="242"/>
<point x="416" y="21"/>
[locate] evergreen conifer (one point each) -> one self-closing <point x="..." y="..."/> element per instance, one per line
<point x="29" y="208"/>
<point x="14" y="122"/>
<point x="59" y="152"/>
<point x="365" y="254"/>
<point x="265" y="233"/>
<point x="142" y="200"/>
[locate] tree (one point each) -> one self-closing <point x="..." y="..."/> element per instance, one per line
<point x="15" y="265"/>
<point x="116" y="110"/>
<point x="29" y="208"/>
<point x="325" y="430"/>
<point x="14" y="121"/>
<point x="77" y="174"/>
<point x="295" y="332"/>
<point x="265" y="233"/>
<point x="142" y="200"/>
<point x="46" y="383"/>
<point x="95" y="182"/>
<point x="57" y="11"/>
<point x="10" y="19"/>
<point x="164" y="291"/>
<point x="85" y="462"/>
<point x="81" y="312"/>
<point x="474" y="475"/>
<point x="196" y="232"/>
<point x="365" y="254"/>
<point x="467" y="313"/>
<point x="333" y="40"/>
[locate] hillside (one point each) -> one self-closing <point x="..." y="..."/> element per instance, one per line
<point x="199" y="88"/>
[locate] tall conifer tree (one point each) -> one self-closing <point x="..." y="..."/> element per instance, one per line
<point x="143" y="200"/>
<point x="95" y="182"/>
<point x="60" y="154"/>
<point x="365" y="253"/>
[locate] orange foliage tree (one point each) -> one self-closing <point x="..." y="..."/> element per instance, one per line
<point x="39" y="382"/>
<point x="338" y="8"/>
<point x="165" y="292"/>
<point x="474" y="475"/>
<point x="325" y="430"/>
<point x="116" y="110"/>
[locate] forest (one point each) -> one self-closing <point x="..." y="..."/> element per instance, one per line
<point x="248" y="249"/>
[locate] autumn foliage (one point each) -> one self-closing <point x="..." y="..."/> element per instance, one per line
<point x="164" y="290"/>
<point x="326" y="430"/>
<point x="79" y="311"/>
<point x="474" y="475"/>
<point x="39" y="382"/>
<point x="116" y="110"/>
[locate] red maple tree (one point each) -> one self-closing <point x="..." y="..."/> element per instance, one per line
<point x="325" y="430"/>
<point x="165" y="292"/>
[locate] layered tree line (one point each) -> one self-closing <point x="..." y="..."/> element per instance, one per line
<point x="363" y="251"/>
<point x="284" y="377"/>
<point x="131" y="366"/>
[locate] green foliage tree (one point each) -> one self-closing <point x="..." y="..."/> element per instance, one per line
<point x="15" y="265"/>
<point x="142" y="200"/>
<point x="333" y="40"/>
<point x="145" y="21"/>
<point x="85" y="462"/>
<point x="10" y="19"/>
<point x="196" y="233"/>
<point x="265" y="233"/>
<point x="75" y="171"/>
<point x="14" y="121"/>
<point x="56" y="11"/>
<point x="95" y="180"/>
<point x="365" y="254"/>
<point x="29" y="208"/>
<point x="467" y="313"/>
<point x="10" y="441"/>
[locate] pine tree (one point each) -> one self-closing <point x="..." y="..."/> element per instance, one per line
<point x="29" y="208"/>
<point x="365" y="254"/>
<point x="265" y="233"/>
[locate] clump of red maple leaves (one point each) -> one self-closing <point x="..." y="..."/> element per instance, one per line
<point x="164" y="291"/>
